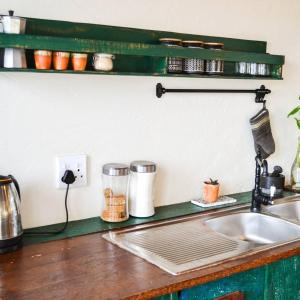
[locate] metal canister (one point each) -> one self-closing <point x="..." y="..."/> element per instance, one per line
<point x="214" y="66"/>
<point x="193" y="65"/>
<point x="174" y="64"/>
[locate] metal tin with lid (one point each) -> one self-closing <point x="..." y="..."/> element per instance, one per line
<point x="193" y="65"/>
<point x="141" y="191"/>
<point x="143" y="166"/>
<point x="174" y="64"/>
<point x="115" y="169"/>
<point x="214" y="66"/>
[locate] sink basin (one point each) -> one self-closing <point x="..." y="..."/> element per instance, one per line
<point x="179" y="246"/>
<point x="289" y="210"/>
<point x="257" y="229"/>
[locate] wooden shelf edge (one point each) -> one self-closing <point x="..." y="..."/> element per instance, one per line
<point x="90" y="72"/>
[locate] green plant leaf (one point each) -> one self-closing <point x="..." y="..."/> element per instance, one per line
<point x="294" y="111"/>
<point x="298" y="122"/>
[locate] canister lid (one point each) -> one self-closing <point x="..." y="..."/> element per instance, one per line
<point x="211" y="45"/>
<point x="5" y="180"/>
<point x="143" y="166"/>
<point x="171" y="41"/>
<point x="114" y="169"/>
<point x="195" y="44"/>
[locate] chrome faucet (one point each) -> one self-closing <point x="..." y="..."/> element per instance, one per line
<point x="257" y="198"/>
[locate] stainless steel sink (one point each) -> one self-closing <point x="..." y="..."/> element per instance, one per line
<point x="193" y="242"/>
<point x="257" y="229"/>
<point x="289" y="210"/>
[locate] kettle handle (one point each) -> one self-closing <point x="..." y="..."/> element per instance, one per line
<point x="16" y="185"/>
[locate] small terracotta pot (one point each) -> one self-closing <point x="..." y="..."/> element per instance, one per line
<point x="61" y="60"/>
<point x="79" y="61"/>
<point x="211" y="192"/>
<point x="42" y="59"/>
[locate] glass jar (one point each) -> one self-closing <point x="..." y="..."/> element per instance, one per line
<point x="193" y="65"/>
<point x="214" y="66"/>
<point x="141" y="194"/>
<point x="115" y="192"/>
<point x="295" y="170"/>
<point x="174" y="64"/>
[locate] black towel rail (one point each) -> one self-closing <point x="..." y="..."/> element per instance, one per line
<point x="259" y="98"/>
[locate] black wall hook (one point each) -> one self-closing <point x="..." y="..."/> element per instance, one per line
<point x="259" y="98"/>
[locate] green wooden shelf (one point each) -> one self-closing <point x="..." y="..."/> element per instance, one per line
<point x="120" y="73"/>
<point x="137" y="51"/>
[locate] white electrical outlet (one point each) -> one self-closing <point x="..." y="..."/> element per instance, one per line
<point x="76" y="163"/>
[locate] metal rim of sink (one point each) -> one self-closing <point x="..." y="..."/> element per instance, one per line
<point x="153" y="242"/>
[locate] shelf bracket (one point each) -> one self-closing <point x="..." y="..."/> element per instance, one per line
<point x="259" y="98"/>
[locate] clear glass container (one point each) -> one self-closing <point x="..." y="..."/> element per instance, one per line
<point x="214" y="66"/>
<point x="295" y="170"/>
<point x="174" y="64"/>
<point x="115" y="192"/>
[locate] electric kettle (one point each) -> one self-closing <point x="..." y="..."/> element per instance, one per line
<point x="11" y="231"/>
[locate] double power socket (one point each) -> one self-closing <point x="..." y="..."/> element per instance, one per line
<point x="75" y="163"/>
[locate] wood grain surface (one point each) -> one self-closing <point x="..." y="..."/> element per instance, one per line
<point x="88" y="267"/>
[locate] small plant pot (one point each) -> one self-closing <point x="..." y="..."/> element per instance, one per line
<point x="60" y="60"/>
<point x="211" y="192"/>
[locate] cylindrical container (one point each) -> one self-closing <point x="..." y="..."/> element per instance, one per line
<point x="241" y="68"/>
<point x="263" y="69"/>
<point x="79" y="61"/>
<point x="174" y="64"/>
<point x="103" y="61"/>
<point x="115" y="192"/>
<point x="60" y="60"/>
<point x="193" y="65"/>
<point x="214" y="66"/>
<point x="141" y="192"/>
<point x="42" y="59"/>
<point x="252" y="68"/>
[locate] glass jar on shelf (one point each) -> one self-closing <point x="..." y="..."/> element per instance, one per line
<point x="115" y="192"/>
<point x="295" y="170"/>
<point x="174" y="64"/>
<point x="214" y="66"/>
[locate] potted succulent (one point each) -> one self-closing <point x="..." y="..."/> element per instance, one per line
<point x="295" y="170"/>
<point x="211" y="191"/>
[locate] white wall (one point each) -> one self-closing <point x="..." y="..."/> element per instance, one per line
<point x="118" y="119"/>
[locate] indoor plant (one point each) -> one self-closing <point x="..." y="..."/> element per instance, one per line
<point x="295" y="170"/>
<point x="211" y="191"/>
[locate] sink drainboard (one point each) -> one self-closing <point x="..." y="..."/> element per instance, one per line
<point x="179" y="247"/>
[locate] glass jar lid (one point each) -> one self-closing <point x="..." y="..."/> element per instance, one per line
<point x="143" y="166"/>
<point x="171" y="41"/>
<point x="114" y="169"/>
<point x="196" y="44"/>
<point x="212" y="45"/>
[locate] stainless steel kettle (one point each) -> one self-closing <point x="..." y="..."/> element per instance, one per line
<point x="11" y="231"/>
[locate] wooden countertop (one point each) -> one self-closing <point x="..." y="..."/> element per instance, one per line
<point x="88" y="267"/>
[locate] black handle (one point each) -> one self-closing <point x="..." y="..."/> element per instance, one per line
<point x="16" y="185"/>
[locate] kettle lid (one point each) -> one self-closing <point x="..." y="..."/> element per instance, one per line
<point x="5" y="180"/>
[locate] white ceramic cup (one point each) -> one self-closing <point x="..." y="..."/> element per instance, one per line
<point x="103" y="61"/>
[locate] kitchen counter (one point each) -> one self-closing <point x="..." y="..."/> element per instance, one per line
<point x="89" y="267"/>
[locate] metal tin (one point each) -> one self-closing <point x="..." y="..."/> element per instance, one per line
<point x="193" y="65"/>
<point x="114" y="169"/>
<point x="214" y="66"/>
<point x="142" y="166"/>
<point x="174" y="64"/>
<point x="252" y="68"/>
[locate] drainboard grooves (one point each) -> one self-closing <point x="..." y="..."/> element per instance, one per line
<point x="181" y="243"/>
